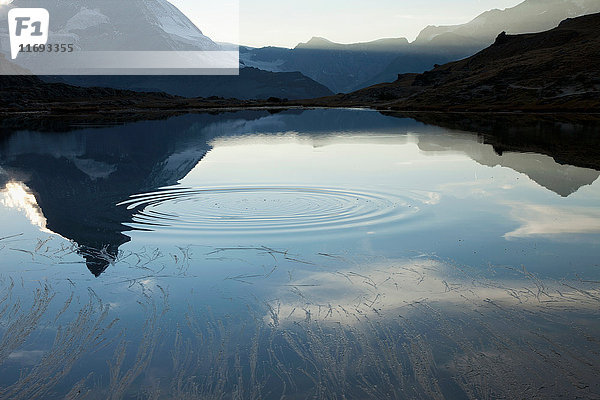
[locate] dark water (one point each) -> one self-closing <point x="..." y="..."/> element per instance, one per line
<point x="302" y="254"/>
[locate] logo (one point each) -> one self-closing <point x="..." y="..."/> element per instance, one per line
<point x="28" y="27"/>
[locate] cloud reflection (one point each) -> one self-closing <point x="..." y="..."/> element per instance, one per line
<point x="543" y="220"/>
<point x="392" y="288"/>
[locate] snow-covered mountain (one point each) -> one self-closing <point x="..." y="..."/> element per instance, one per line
<point x="136" y="25"/>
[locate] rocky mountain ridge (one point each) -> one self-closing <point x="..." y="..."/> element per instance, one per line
<point x="555" y="70"/>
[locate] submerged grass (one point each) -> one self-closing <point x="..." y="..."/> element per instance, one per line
<point x="85" y="333"/>
<point x="20" y="323"/>
<point x="121" y="379"/>
<point x="407" y="331"/>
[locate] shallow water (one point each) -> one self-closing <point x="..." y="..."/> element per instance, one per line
<point x="322" y="253"/>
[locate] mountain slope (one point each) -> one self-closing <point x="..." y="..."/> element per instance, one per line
<point x="554" y="70"/>
<point x="442" y="44"/>
<point x="529" y="16"/>
<point x="345" y="68"/>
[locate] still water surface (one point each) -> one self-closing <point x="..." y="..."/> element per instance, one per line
<point x="303" y="254"/>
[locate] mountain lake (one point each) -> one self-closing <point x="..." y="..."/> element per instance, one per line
<point x="342" y="254"/>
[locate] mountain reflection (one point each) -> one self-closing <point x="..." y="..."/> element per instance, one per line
<point x="563" y="180"/>
<point x="78" y="177"/>
<point x="71" y="182"/>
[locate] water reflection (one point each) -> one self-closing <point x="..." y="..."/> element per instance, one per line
<point x="78" y="177"/>
<point x="93" y="185"/>
<point x="563" y="180"/>
<point x="17" y="195"/>
<point x="259" y="209"/>
<point x="543" y="220"/>
<point x="362" y="328"/>
<point x="315" y="254"/>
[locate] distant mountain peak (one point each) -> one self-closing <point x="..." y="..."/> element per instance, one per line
<point x="317" y="42"/>
<point x="319" y="39"/>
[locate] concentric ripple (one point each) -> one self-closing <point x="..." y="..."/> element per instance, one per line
<point x="266" y="209"/>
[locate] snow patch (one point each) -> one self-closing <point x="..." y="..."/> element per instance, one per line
<point x="85" y="19"/>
